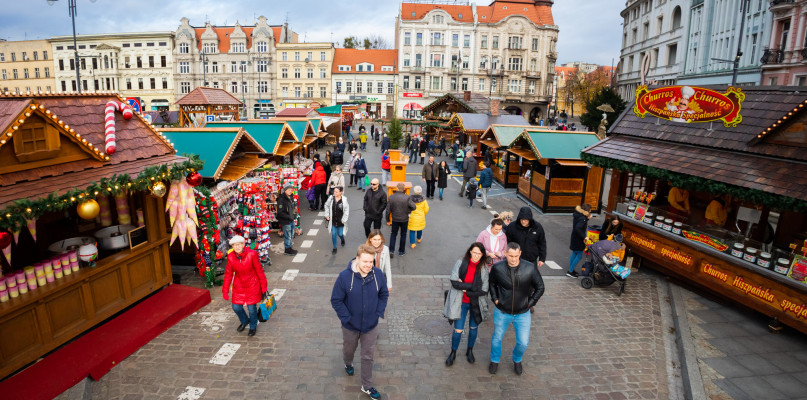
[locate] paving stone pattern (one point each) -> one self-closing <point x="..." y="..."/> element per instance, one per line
<point x="584" y="344"/>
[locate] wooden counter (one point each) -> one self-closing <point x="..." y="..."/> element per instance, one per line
<point x="760" y="289"/>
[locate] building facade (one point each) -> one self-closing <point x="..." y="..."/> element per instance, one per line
<point x="654" y="29"/>
<point x="26" y="66"/>
<point x="238" y="58"/>
<point x="783" y="61"/>
<point x="712" y="37"/>
<point x="365" y="77"/>
<point x="135" y="65"/>
<point x="304" y="74"/>
<point x="506" y="50"/>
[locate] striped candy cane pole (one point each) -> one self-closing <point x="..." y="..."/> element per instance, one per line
<point x="109" y="122"/>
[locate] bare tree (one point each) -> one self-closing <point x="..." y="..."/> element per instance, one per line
<point x="378" y="42"/>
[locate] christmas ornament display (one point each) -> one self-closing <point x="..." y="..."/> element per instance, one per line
<point x="181" y="207"/>
<point x="105" y="213"/>
<point x="88" y="209"/>
<point x="252" y="200"/>
<point x="207" y="253"/>
<point x="88" y="253"/>
<point x="109" y="122"/>
<point x="31" y="224"/>
<point x="5" y="239"/>
<point x="194" y="179"/>
<point x="158" y="189"/>
<point x="122" y="207"/>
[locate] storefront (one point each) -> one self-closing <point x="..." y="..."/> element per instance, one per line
<point x="88" y="224"/>
<point x="551" y="174"/>
<point x="495" y="140"/>
<point x="719" y="205"/>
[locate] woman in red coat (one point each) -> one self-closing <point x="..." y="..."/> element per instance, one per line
<point x="319" y="180"/>
<point x="245" y="273"/>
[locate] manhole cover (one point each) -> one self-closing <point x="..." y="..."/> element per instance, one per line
<point x="432" y="325"/>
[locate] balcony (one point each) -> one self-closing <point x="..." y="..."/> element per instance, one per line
<point x="516" y="48"/>
<point x="416" y="68"/>
<point x="803" y="54"/>
<point x="553" y="55"/>
<point x="772" y="56"/>
<point x="781" y="5"/>
<point x="533" y="74"/>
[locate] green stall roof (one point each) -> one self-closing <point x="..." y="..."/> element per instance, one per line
<point x="337" y="109"/>
<point x="560" y="144"/>
<point x="506" y="134"/>
<point x="211" y="146"/>
<point x="266" y="133"/>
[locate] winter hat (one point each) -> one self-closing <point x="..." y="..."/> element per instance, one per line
<point x="418" y="190"/>
<point x="287" y="187"/>
<point x="237" y="239"/>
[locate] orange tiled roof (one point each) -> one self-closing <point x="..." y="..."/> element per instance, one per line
<point x="375" y="56"/>
<point x="412" y="11"/>
<point x="499" y="10"/>
<point x="224" y="32"/>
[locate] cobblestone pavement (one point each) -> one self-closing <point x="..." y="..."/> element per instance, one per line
<point x="584" y="344"/>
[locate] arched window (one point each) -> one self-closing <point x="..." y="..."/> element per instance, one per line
<point x="676" y="18"/>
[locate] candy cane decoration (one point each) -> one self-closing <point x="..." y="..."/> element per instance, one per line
<point x="109" y="122"/>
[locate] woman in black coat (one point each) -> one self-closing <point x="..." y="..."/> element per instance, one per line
<point x="611" y="227"/>
<point x="442" y="177"/>
<point x="577" y="243"/>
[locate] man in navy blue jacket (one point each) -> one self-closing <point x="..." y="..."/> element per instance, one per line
<point x="359" y="298"/>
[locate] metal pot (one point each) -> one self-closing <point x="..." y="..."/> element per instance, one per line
<point x="70" y="244"/>
<point x="114" y="237"/>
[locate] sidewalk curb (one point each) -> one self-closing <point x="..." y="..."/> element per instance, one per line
<point x="690" y="371"/>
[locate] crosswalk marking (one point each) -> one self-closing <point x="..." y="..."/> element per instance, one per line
<point x="278" y="293"/>
<point x="225" y="353"/>
<point x="300" y="257"/>
<point x="313" y="232"/>
<point x="307" y="244"/>
<point x="317" y="222"/>
<point x="322" y="214"/>
<point x="553" y="265"/>
<point x="290" y="274"/>
<point x="191" y="393"/>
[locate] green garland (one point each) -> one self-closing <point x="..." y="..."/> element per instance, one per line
<point x="700" y="184"/>
<point x="13" y="216"/>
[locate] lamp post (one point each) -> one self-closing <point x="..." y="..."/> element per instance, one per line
<point x="244" y="86"/>
<point x="71" y="5"/>
<point x="203" y="58"/>
<point x="260" y="99"/>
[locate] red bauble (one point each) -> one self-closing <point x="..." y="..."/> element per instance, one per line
<point x="194" y="179"/>
<point x="5" y="239"/>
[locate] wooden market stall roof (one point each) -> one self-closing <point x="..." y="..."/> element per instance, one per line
<point x="477" y="104"/>
<point x="471" y="122"/>
<point x="269" y="134"/>
<point x="208" y="101"/>
<point x="502" y="135"/>
<point x="765" y="153"/>
<point x="297" y="112"/>
<point x="549" y="144"/>
<point x="74" y="126"/>
<point x="217" y="147"/>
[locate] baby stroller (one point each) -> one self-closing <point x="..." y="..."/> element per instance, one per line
<point x="597" y="272"/>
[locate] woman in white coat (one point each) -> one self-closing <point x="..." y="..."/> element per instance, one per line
<point x="337" y="179"/>
<point x="381" y="260"/>
<point x="336" y="213"/>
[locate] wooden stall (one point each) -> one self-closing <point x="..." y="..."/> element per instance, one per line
<point x="468" y="127"/>
<point x="719" y="207"/>
<point x="54" y="173"/>
<point x="228" y="153"/>
<point x="308" y="130"/>
<point x="202" y="101"/>
<point x="274" y="136"/>
<point x="495" y="140"/>
<point x="551" y="174"/>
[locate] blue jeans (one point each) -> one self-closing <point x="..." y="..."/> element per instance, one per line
<point x="361" y="182"/>
<point x="288" y="234"/>
<point x="337" y="231"/>
<point x="396" y="226"/>
<point x="412" y="235"/>
<point x="460" y="324"/>
<point x="577" y="255"/>
<point x="441" y="192"/>
<point x="521" y="324"/>
<point x="242" y="316"/>
<point x="413" y="156"/>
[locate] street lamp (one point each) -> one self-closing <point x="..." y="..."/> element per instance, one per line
<point x="203" y="58"/>
<point x="244" y="86"/>
<point x="260" y="100"/>
<point x="71" y="5"/>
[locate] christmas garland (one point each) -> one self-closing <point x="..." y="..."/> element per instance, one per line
<point x="691" y="182"/>
<point x="14" y="216"/>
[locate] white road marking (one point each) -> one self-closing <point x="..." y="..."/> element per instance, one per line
<point x="553" y="265"/>
<point x="290" y="274"/>
<point x="307" y="244"/>
<point x="191" y="393"/>
<point x="322" y="214"/>
<point x="225" y="353"/>
<point x="479" y="200"/>
<point x="313" y="232"/>
<point x="214" y="321"/>
<point x="278" y="293"/>
<point x="493" y="212"/>
<point x="318" y="222"/>
<point x="300" y="257"/>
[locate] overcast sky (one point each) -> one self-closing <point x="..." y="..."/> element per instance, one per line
<point x="589" y="30"/>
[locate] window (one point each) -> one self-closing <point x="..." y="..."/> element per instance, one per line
<point x="515" y="64"/>
<point x="296" y="56"/>
<point x="380" y="87"/>
<point x="338" y="87"/>
<point x="233" y="67"/>
<point x="390" y="88"/>
<point x="140" y="83"/>
<point x="165" y="83"/>
<point x="646" y="30"/>
<point x="263" y="87"/>
<point x="437" y="39"/>
<point x="323" y="73"/>
<point x="25" y="73"/>
<point x="348" y="87"/>
<point x="801" y="80"/>
<point x="417" y="82"/>
<point x="5" y="76"/>
<point x="483" y="43"/>
<point x="139" y="63"/>
<point x="234" y="87"/>
<point x="153" y="83"/>
<point x="359" y="87"/>
<point x="13" y="56"/>
<point x="209" y="48"/>
<point x="676" y="18"/>
<point x="36" y="72"/>
<point x="14" y="73"/>
<point x="36" y="137"/>
<point x="406" y="60"/>
<point x="184" y="67"/>
<point x="244" y="87"/>
<point x="129" y="83"/>
<point x="322" y="56"/>
<point x="493" y="84"/>
<point x="495" y="41"/>
<point x="297" y="73"/>
<point x="309" y="91"/>
<point x="2" y="57"/>
<point x="482" y="84"/>
<point x="659" y="24"/>
<point x="532" y="87"/>
<point x="310" y="56"/>
<point x="418" y="61"/>
<point x="438" y="19"/>
<point x="83" y="64"/>
<point x="64" y="86"/>
<point x="310" y="73"/>
<point x="243" y="67"/>
<point x="323" y="91"/>
<point x="124" y="45"/>
<point x="47" y="72"/>
<point x="419" y="39"/>
<point x="466" y="41"/>
<point x="215" y="67"/>
<point x="405" y="80"/>
<point x="437" y="60"/>
<point x="284" y="91"/>
<point x="437" y="83"/>
<point x="534" y="44"/>
<point x="407" y="38"/>
<point x="533" y="65"/>
<point x="483" y="62"/>
<point x="455" y="40"/>
<point x="151" y="62"/>
<point x="162" y="44"/>
<point x="262" y="47"/>
<point x="284" y="73"/>
<point x="515" y="42"/>
<point x="36" y="56"/>
<point x="263" y="66"/>
<point x="672" y="53"/>
<point x="297" y="91"/>
<point x="239" y="47"/>
<point x="464" y="84"/>
<point x="634" y="33"/>
<point x="184" y="49"/>
<point x="284" y="56"/>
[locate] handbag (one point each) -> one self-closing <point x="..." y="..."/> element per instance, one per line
<point x="422" y="155"/>
<point x="266" y="308"/>
<point x="366" y="180"/>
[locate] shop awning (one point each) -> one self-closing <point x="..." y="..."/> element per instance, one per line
<point x="286" y="148"/>
<point x="310" y="139"/>
<point x="781" y="177"/>
<point x="237" y="169"/>
<point x="322" y="134"/>
<point x="490" y="143"/>
<point x="215" y="146"/>
<point x="524" y="153"/>
<point x="572" y="163"/>
<point x="412" y="106"/>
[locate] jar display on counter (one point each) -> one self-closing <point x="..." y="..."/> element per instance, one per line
<point x="659" y="222"/>
<point x="737" y="250"/>
<point x="764" y="260"/>
<point x="677" y="228"/>
<point x="782" y="266"/>
<point x="667" y="225"/>
<point x="648" y="218"/>
<point x="750" y="255"/>
<point x="631" y="211"/>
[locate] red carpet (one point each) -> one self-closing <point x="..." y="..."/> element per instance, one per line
<point x="102" y="348"/>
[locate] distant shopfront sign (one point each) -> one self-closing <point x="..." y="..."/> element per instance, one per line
<point x="690" y="104"/>
<point x="408" y="94"/>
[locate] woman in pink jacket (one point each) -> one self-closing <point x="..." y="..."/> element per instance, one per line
<point x="245" y="273"/>
<point x="494" y="240"/>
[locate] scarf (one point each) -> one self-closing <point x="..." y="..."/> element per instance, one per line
<point x="378" y="251"/>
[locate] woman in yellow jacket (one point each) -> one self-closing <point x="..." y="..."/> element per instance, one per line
<point x="417" y="218"/>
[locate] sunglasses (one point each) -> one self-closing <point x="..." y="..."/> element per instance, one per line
<point x="373" y="184"/>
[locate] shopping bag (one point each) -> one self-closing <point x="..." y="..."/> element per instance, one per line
<point x="266" y="308"/>
<point x="366" y="180"/>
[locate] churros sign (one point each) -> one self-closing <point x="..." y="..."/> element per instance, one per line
<point x="690" y="104"/>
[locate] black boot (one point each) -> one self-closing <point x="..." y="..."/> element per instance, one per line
<point x="451" y="357"/>
<point x="470" y="355"/>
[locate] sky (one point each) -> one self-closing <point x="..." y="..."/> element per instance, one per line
<point x="590" y="30"/>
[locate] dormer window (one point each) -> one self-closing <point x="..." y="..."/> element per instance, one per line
<point x="184" y="48"/>
<point x="36" y="140"/>
<point x="209" y="48"/>
<point x="239" y="47"/>
<point x="262" y="47"/>
<point x="438" y="19"/>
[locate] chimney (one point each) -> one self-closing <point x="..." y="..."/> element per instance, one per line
<point x="467" y="95"/>
<point x="494" y="107"/>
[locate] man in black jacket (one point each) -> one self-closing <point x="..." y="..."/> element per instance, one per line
<point x="375" y="202"/>
<point x="529" y="234"/>
<point x="399" y="205"/>
<point x="515" y="286"/>
<point x="286" y="213"/>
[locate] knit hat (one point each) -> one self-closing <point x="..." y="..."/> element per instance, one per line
<point x="237" y="239"/>
<point x="287" y="187"/>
